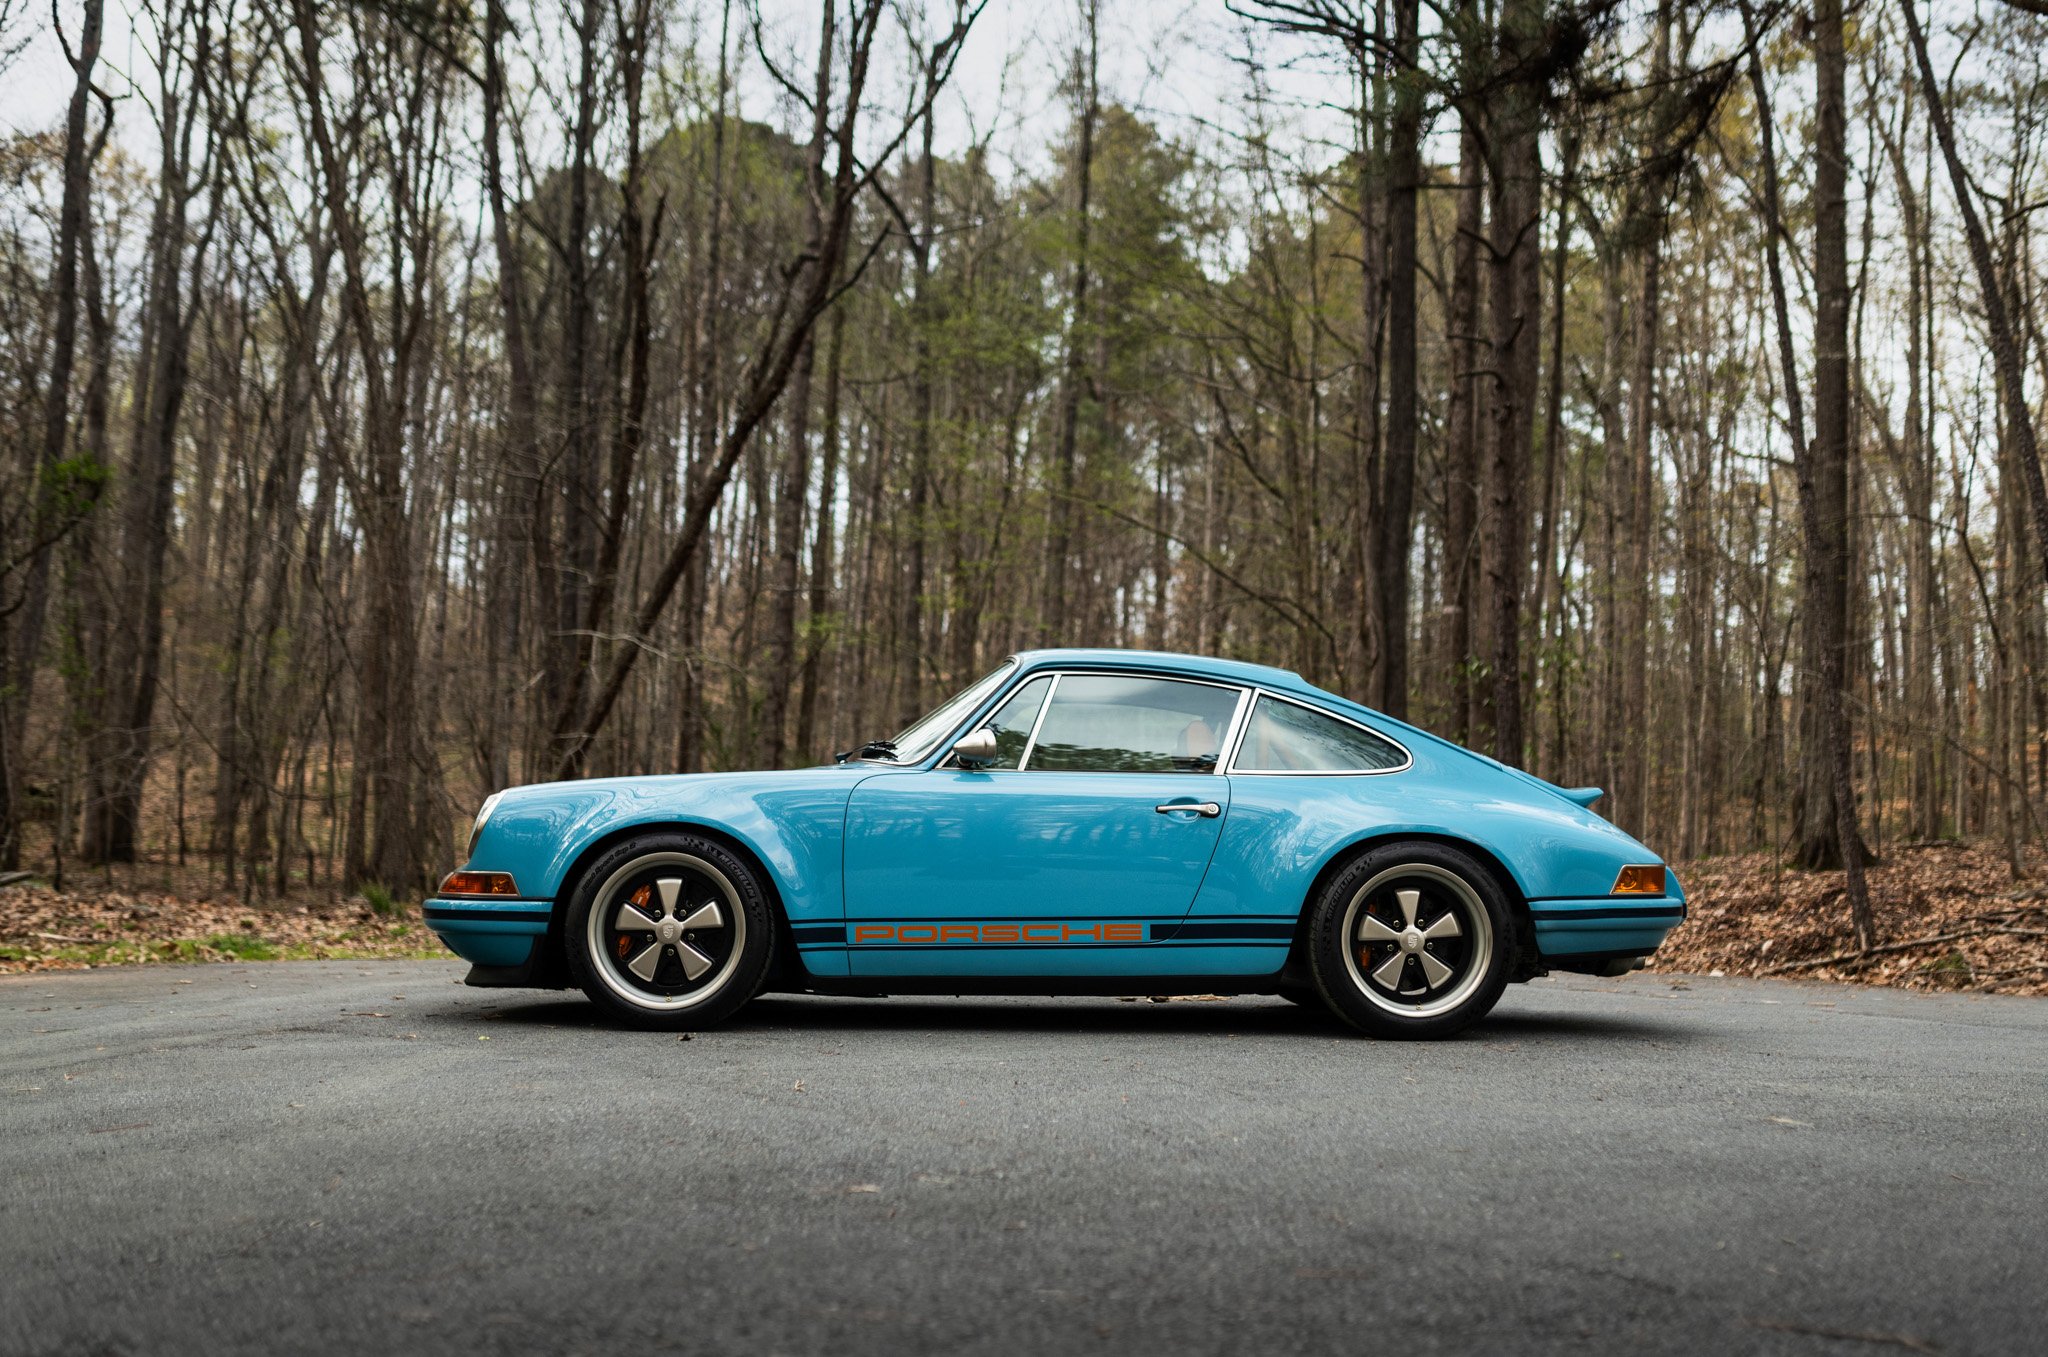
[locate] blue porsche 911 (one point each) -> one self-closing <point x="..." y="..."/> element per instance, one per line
<point x="1077" y="822"/>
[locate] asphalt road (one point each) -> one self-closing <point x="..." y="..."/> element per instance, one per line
<point x="366" y="1157"/>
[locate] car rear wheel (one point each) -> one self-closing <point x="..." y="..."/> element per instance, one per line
<point x="669" y="930"/>
<point x="1411" y="940"/>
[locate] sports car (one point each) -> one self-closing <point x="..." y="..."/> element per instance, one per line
<point x="1077" y="822"/>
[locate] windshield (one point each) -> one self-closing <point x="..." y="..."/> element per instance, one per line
<point x="922" y="737"/>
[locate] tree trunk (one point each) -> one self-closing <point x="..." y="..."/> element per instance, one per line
<point x="1396" y="510"/>
<point x="1632" y="798"/>
<point x="1515" y="297"/>
<point x="20" y="651"/>
<point x="1462" y="430"/>
<point x="796" y="474"/>
<point x="916" y="654"/>
<point x="130" y="681"/>
<point x="1056" y="606"/>
<point x="820" y="633"/>
<point x="1824" y="478"/>
<point x="513" y="552"/>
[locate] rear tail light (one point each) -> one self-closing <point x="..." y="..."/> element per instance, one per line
<point x="479" y="883"/>
<point x="1640" y="881"/>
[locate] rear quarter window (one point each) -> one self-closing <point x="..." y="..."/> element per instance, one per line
<point x="1282" y="737"/>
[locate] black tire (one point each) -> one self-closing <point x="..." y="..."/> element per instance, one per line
<point x="1449" y="974"/>
<point x="671" y="975"/>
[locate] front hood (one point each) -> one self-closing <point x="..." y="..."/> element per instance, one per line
<point x="669" y="784"/>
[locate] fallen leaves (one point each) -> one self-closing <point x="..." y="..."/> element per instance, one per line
<point x="100" y="924"/>
<point x="1949" y="916"/>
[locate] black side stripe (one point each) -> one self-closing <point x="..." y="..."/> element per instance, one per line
<point x="513" y="916"/>
<point x="835" y="935"/>
<point x="1222" y="932"/>
<point x="1040" y="946"/>
<point x="1640" y="912"/>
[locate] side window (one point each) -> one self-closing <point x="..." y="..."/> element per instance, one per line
<point x="1112" y="723"/>
<point x="1284" y="738"/>
<point x="1013" y="721"/>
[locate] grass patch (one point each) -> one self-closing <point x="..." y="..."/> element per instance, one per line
<point x="65" y="933"/>
<point x="327" y="951"/>
<point x="1953" y="970"/>
<point x="241" y="946"/>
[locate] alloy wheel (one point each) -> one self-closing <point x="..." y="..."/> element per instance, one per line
<point x="666" y="931"/>
<point x="1418" y="940"/>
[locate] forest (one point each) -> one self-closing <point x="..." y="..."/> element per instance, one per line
<point x="404" y="399"/>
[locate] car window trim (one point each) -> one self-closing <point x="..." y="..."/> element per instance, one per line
<point x="1239" y="713"/>
<point x="1044" y="705"/>
<point x="1258" y="693"/>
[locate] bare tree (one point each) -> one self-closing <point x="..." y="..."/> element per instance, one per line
<point x="811" y="287"/>
<point x="1059" y="540"/>
<point x="1823" y="473"/>
<point x="58" y="493"/>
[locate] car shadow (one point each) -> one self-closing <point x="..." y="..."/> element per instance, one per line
<point x="1244" y="1015"/>
<point x="1240" y="1016"/>
<point x="1607" y="1026"/>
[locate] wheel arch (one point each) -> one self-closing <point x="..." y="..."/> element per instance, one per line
<point x="1490" y="861"/>
<point x="572" y="877"/>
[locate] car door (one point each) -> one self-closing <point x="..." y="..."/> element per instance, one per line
<point x="1095" y="823"/>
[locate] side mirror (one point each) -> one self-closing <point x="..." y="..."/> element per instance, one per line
<point x="976" y="749"/>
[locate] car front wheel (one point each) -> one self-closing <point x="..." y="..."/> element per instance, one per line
<point x="1411" y="940"/>
<point x="670" y="930"/>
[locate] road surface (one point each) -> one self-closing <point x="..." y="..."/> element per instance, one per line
<point x="368" y="1157"/>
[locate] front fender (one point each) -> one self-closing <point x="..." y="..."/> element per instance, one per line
<point x="793" y="822"/>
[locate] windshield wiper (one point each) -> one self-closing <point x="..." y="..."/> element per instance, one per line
<point x="873" y="749"/>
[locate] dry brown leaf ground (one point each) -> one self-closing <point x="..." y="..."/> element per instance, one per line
<point x="1750" y="916"/>
<point x="1949" y="916"/>
<point x="106" y="924"/>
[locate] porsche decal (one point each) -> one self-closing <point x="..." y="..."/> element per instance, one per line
<point x="972" y="934"/>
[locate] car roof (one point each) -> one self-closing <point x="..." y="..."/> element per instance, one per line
<point x="1172" y="662"/>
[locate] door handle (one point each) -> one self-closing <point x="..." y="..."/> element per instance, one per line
<point x="1208" y="810"/>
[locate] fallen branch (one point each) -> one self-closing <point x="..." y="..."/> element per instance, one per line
<point x="1846" y="958"/>
<point x="1903" y="1340"/>
<point x="2015" y="971"/>
<point x="1857" y="958"/>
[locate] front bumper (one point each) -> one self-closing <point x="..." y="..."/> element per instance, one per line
<point x="492" y="934"/>
<point x="1600" y="933"/>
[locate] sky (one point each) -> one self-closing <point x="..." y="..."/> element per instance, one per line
<point x="1179" y="62"/>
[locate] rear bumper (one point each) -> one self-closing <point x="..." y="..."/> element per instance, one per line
<point x="1600" y="933"/>
<point x="496" y="935"/>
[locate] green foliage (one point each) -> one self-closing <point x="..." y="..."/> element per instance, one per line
<point x="381" y="900"/>
<point x="238" y="946"/>
<point x="71" y="486"/>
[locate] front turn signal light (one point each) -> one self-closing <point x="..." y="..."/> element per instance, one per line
<point x="1640" y="881"/>
<point x="479" y="883"/>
